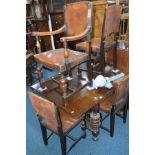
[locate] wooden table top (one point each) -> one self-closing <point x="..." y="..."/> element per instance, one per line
<point x="80" y="102"/>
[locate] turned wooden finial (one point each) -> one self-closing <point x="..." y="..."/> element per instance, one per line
<point x="63" y="86"/>
<point x="38" y="44"/>
<point x="66" y="52"/>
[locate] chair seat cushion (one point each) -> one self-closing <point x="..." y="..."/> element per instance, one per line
<point x="55" y="58"/>
<point x="106" y="104"/>
<point x="95" y="45"/>
<point x="68" y="122"/>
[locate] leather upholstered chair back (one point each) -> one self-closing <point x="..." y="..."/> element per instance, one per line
<point x="112" y="20"/>
<point x="77" y="17"/>
<point x="122" y="88"/>
<point x="43" y="108"/>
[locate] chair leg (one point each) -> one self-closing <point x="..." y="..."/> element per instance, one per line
<point x="63" y="144"/>
<point x="44" y="134"/>
<point x="112" y="122"/>
<point x="61" y="133"/>
<point x="124" y="113"/>
<point x="89" y="68"/>
<point x="83" y="128"/>
<point x="79" y="72"/>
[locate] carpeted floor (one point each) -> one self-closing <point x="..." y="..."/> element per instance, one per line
<point x="118" y="145"/>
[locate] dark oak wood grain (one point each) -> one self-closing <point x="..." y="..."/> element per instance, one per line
<point x="79" y="103"/>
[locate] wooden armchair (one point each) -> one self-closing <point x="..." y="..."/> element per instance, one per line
<point x="106" y="42"/>
<point x="56" y="120"/>
<point x="77" y="25"/>
<point x="116" y="102"/>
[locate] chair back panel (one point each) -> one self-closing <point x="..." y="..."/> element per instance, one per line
<point x="44" y="108"/>
<point x="122" y="87"/>
<point x="76" y="17"/>
<point x="112" y="20"/>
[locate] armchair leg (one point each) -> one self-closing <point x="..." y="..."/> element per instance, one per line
<point x="125" y="113"/>
<point x="112" y="122"/>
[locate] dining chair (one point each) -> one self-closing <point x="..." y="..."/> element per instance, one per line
<point x="118" y="101"/>
<point x="56" y="120"/>
<point x="77" y="25"/>
<point x="107" y="41"/>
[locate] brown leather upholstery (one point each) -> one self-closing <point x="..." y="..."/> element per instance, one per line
<point x="106" y="105"/>
<point x="122" y="60"/>
<point x="119" y="97"/>
<point x="46" y="111"/>
<point x="76" y="17"/>
<point x="95" y="45"/>
<point x="122" y="87"/>
<point x="110" y="25"/>
<point x="112" y="19"/>
<point x="55" y="58"/>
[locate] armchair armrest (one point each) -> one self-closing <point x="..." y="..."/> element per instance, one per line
<point x="60" y="30"/>
<point x="77" y="37"/>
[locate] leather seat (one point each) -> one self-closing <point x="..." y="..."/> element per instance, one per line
<point x="65" y="59"/>
<point x="68" y="122"/>
<point x="95" y="45"/>
<point x="55" y="58"/>
<point x="106" y="105"/>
